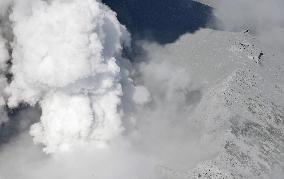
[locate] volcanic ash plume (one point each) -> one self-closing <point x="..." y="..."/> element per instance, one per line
<point x="65" y="58"/>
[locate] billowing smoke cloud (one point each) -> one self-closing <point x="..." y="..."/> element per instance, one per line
<point x="101" y="116"/>
<point x="64" y="57"/>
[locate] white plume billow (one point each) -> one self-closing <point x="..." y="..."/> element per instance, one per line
<point x="209" y="105"/>
<point x="65" y="57"/>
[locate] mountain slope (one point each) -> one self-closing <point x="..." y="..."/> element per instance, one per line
<point x="242" y="107"/>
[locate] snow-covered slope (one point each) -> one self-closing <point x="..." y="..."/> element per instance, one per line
<point x="242" y="107"/>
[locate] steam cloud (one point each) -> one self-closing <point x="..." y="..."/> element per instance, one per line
<point x="64" y="57"/>
<point x="101" y="116"/>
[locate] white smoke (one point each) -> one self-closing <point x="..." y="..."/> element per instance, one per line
<point x="67" y="58"/>
<point x="64" y="57"/>
<point x="141" y="95"/>
<point x="65" y="120"/>
<point x="95" y="123"/>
